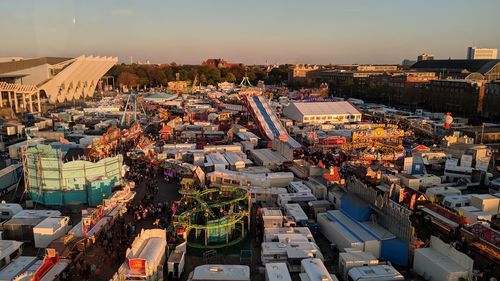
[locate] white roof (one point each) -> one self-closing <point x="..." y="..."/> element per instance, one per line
<point x="437" y="258"/>
<point x="484" y="196"/>
<point x="325" y="108"/>
<point x="277" y="271"/>
<point x="53" y="223"/>
<point x="271" y="233"/>
<point x="373" y="271"/>
<point x="266" y="212"/>
<point x="315" y="270"/>
<point x="293" y="249"/>
<point x="16" y="267"/>
<point x="267" y="190"/>
<point x="295" y="211"/>
<point x="153" y="250"/>
<point x="300" y="186"/>
<point x="7" y="247"/>
<point x="358" y="256"/>
<point x="37" y="213"/>
<point x="221" y="272"/>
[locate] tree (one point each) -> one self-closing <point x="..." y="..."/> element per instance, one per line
<point x="230" y="77"/>
<point x="203" y="79"/>
<point x="128" y="79"/>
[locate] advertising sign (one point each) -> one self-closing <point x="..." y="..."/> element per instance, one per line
<point x="137" y="266"/>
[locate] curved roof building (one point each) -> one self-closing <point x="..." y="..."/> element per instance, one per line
<point x="26" y="83"/>
<point x="483" y="69"/>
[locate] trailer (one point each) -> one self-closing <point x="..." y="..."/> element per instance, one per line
<point x="175" y="264"/>
<point x="441" y="262"/>
<point x="349" y="260"/>
<point x="9" y="250"/>
<point x="296" y="212"/>
<point x="21" y="229"/>
<point x="49" y="230"/>
<point x="16" y="267"/>
<point x="374" y="273"/>
<point x="297" y="187"/>
<point x="220" y="272"/>
<point x="345" y="232"/>
<point x="275" y="234"/>
<point x="300" y="198"/>
<point x="8" y="210"/>
<point x="277" y="271"/>
<point x="266" y="194"/>
<point x="314" y="270"/>
<point x="146" y="256"/>
<point x="10" y="177"/>
<point x="271" y="217"/>
<point x="291" y="253"/>
<point x="318" y="206"/>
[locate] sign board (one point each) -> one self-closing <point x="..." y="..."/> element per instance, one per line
<point x="137" y="266"/>
<point x="90" y="219"/>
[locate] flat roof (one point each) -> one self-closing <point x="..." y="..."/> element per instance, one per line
<point x="266" y="212"/>
<point x="325" y="108"/>
<point x="16" y="267"/>
<point x="315" y="270"/>
<point x="221" y="272"/>
<point x="277" y="271"/>
<point x="437" y="258"/>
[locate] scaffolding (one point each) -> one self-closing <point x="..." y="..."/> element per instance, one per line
<point x="50" y="181"/>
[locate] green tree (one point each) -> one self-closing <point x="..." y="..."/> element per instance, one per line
<point x="128" y="79"/>
<point x="230" y="77"/>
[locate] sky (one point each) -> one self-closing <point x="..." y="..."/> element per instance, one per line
<point x="249" y="31"/>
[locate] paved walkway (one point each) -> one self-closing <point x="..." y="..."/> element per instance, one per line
<point x="109" y="262"/>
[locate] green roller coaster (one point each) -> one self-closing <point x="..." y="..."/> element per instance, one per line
<point x="217" y="216"/>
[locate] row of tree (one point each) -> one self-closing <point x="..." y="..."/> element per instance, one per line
<point x="158" y="75"/>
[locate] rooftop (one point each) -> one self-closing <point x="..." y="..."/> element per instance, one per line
<point x="325" y="108"/>
<point x="481" y="66"/>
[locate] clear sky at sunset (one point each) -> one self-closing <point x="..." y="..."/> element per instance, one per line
<point x="249" y="31"/>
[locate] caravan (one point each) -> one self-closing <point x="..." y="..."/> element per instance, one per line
<point x="291" y="254"/>
<point x="374" y="273"/>
<point x="315" y="270"/>
<point x="8" y="210"/>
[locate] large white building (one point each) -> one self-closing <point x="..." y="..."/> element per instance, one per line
<point x="475" y="53"/>
<point x="26" y="84"/>
<point x="322" y="112"/>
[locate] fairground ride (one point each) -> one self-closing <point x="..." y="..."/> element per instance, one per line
<point x="211" y="218"/>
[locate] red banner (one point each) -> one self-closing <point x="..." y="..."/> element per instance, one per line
<point x="137" y="266"/>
